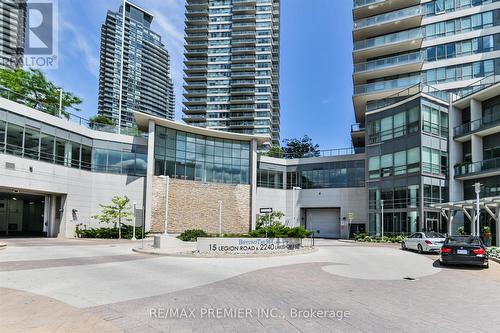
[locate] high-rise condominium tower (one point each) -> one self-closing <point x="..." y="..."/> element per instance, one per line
<point x="134" y="70"/>
<point x="412" y="59"/>
<point x="12" y="30"/>
<point x="232" y="66"/>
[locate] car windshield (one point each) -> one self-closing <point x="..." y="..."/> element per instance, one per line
<point x="469" y="240"/>
<point x="434" y="235"/>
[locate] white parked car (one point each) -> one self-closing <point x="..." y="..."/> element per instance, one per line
<point x="424" y="242"/>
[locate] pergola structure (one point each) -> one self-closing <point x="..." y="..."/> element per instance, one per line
<point x="490" y="205"/>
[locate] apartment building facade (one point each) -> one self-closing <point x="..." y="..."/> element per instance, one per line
<point x="12" y="30"/>
<point x="134" y="72"/>
<point x="413" y="62"/>
<point x="232" y="66"/>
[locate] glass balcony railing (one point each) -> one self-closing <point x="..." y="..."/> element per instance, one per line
<point x="386" y="85"/>
<point x="388" y="17"/>
<point x="362" y="3"/>
<point x="476" y="86"/>
<point x="388" y="39"/>
<point x="53" y="109"/>
<point x="390" y="62"/>
<point x="476" y="125"/>
<point x="477" y="167"/>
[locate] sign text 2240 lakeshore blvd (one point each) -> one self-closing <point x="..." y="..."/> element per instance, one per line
<point x="247" y="245"/>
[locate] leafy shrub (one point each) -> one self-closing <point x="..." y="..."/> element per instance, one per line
<point x="360" y="236"/>
<point x="192" y="234"/>
<point x="108" y="233"/>
<point x="234" y="235"/>
<point x="494" y="252"/>
<point x="280" y="231"/>
<point x="377" y="239"/>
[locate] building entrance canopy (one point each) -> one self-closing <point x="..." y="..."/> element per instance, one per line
<point x="490" y="205"/>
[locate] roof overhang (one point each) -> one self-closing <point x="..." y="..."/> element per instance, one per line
<point x="469" y="204"/>
<point x="481" y="95"/>
<point x="142" y="120"/>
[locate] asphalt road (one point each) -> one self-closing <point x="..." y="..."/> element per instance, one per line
<point x="56" y="286"/>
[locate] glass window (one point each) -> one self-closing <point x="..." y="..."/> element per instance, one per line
<point x="75" y="154"/>
<point x="476" y="21"/>
<point x="86" y="160"/>
<point x="99" y="159"/>
<point x="47" y="147"/>
<point x="31" y="142"/>
<point x="487" y="19"/>
<point x="14" y="139"/>
<point x="386" y="161"/>
<point x="399" y="124"/>
<point x="400" y="163"/>
<point x="413" y="158"/>
<point x="467" y="72"/>
<point x="2" y="135"/>
<point x="440" y="52"/>
<point x="374" y="163"/>
<point x="386" y="128"/>
<point x="465" y="24"/>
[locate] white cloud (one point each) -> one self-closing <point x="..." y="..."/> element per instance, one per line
<point x="80" y="43"/>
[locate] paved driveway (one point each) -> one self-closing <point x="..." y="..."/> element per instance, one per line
<point x="365" y="288"/>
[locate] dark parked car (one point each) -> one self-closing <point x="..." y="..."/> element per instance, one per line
<point x="464" y="250"/>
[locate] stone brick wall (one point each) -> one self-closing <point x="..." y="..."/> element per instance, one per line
<point x="193" y="205"/>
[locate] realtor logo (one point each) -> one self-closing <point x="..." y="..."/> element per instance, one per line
<point x="40" y="42"/>
<point x="39" y="34"/>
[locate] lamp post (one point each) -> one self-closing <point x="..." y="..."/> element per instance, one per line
<point x="382" y="219"/>
<point x="133" y="219"/>
<point x="167" y="185"/>
<point x="220" y="218"/>
<point x="477" y="188"/>
<point x="293" y="203"/>
<point x="60" y="102"/>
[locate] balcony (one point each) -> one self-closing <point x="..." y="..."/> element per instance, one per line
<point x="401" y="41"/>
<point x="406" y="18"/>
<point x="405" y="63"/>
<point x="486" y="168"/>
<point x="388" y="85"/>
<point x="358" y="135"/>
<point x="483" y="126"/>
<point x="364" y="8"/>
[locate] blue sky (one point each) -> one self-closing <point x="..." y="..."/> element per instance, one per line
<point x="316" y="63"/>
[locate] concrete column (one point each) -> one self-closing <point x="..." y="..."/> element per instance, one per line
<point x="68" y="153"/>
<point x="476" y="111"/>
<point x="149" y="175"/>
<point x="476" y="141"/>
<point x="455" y="155"/>
<point x="450" y="221"/>
<point x="473" y="222"/>
<point x="497" y="218"/>
<point x="253" y="184"/>
<point x="477" y="148"/>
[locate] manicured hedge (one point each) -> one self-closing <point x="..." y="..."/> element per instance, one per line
<point x="109" y="233"/>
<point x="377" y="239"/>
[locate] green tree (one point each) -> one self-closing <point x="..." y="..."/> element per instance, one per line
<point x="275" y="151"/>
<point x="268" y="220"/>
<point x="118" y="210"/>
<point x="100" y="119"/>
<point x="297" y="148"/>
<point x="33" y="89"/>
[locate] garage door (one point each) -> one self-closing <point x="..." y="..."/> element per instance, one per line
<point x="325" y="221"/>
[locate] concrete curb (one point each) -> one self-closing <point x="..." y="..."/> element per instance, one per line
<point x="194" y="254"/>
<point x="3" y="246"/>
<point x="494" y="259"/>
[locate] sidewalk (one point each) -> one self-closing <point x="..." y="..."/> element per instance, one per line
<point x="26" y="312"/>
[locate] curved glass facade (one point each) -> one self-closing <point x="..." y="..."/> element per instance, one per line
<point x="27" y="138"/>
<point x="197" y="157"/>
